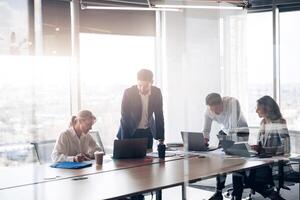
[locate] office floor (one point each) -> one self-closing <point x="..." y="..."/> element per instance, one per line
<point x="200" y="194"/>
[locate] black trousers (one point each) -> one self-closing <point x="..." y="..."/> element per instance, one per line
<point x="221" y="179"/>
<point x="144" y="133"/>
<point x="260" y="180"/>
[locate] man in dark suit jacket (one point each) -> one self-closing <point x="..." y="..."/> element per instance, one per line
<point x="142" y="110"/>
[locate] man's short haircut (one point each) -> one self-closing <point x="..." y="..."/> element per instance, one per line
<point x="145" y="75"/>
<point x="213" y="99"/>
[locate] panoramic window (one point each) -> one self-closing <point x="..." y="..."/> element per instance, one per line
<point x="259" y="61"/>
<point x="289" y="65"/>
<point x="14" y="29"/>
<point x="37" y="98"/>
<point x="109" y="64"/>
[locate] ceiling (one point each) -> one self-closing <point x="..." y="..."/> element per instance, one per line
<point x="249" y="4"/>
<point x="152" y="3"/>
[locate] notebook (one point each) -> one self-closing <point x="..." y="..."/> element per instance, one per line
<point x="71" y="165"/>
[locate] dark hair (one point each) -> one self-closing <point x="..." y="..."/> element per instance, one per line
<point x="213" y="99"/>
<point x="270" y="107"/>
<point x="145" y="75"/>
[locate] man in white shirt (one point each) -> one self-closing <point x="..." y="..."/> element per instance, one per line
<point x="227" y="112"/>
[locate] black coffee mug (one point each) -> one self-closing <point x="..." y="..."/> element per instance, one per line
<point x="161" y="148"/>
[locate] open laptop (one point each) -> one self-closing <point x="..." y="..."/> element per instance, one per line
<point x="226" y="144"/>
<point x="195" y="141"/>
<point x="237" y="148"/>
<point x="130" y="148"/>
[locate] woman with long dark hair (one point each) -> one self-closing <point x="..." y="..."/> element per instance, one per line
<point x="273" y="140"/>
<point x="273" y="134"/>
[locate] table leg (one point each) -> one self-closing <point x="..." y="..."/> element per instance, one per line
<point x="299" y="178"/>
<point x="183" y="188"/>
<point x="158" y="195"/>
<point x="280" y="175"/>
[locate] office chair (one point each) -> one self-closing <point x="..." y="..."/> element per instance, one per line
<point x="43" y="150"/>
<point x="284" y="171"/>
<point x="293" y="175"/>
<point x="17" y="154"/>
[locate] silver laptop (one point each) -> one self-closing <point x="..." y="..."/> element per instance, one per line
<point x="237" y="148"/>
<point x="195" y="141"/>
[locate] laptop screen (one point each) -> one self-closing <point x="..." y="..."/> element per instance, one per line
<point x="130" y="148"/>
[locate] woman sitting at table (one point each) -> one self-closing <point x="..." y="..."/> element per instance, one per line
<point x="273" y="140"/>
<point x="76" y="144"/>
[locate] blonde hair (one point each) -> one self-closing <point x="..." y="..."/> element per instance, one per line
<point x="83" y="114"/>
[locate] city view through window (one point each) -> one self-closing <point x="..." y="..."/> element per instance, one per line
<point x="35" y="91"/>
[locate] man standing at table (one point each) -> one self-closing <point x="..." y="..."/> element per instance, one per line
<point x="227" y="112"/>
<point x="140" y="103"/>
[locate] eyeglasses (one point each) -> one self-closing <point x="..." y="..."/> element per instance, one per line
<point x="90" y="121"/>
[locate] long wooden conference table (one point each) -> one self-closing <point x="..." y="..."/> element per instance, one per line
<point x="115" y="178"/>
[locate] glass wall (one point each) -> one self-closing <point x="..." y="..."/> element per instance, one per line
<point x="109" y="64"/>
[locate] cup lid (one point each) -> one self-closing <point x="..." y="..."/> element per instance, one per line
<point x="99" y="152"/>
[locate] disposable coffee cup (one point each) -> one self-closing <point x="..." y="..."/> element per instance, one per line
<point x="99" y="157"/>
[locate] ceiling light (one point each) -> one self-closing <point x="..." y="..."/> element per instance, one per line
<point x="128" y="8"/>
<point x="198" y="7"/>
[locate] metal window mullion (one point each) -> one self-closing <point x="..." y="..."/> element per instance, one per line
<point x="276" y="55"/>
<point x="75" y="58"/>
<point x="158" y="49"/>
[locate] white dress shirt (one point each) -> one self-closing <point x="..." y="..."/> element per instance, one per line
<point x="69" y="145"/>
<point x="144" y="123"/>
<point x="230" y="119"/>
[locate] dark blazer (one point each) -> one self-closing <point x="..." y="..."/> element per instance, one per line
<point x="131" y="113"/>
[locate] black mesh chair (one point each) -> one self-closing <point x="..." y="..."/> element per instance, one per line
<point x="285" y="173"/>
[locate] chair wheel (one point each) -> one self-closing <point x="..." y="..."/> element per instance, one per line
<point x="227" y="195"/>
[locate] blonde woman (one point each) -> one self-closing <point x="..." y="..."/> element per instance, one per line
<point x="76" y="144"/>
